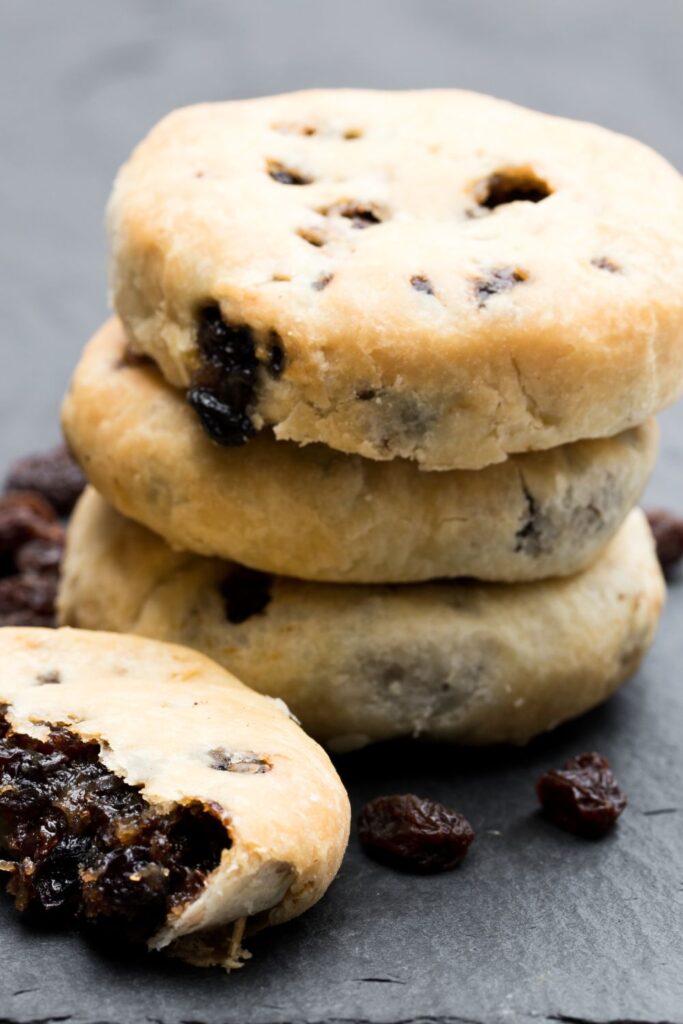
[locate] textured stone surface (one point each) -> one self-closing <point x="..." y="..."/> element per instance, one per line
<point x="537" y="925"/>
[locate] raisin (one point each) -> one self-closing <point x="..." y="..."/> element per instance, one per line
<point x="39" y="556"/>
<point x="245" y="592"/>
<point x="223" y="387"/>
<point x="31" y="544"/>
<point x="422" y="284"/>
<point x="276" y="356"/>
<point x="667" y="530"/>
<point x="285" y="175"/>
<point x="28" y="599"/>
<point x="511" y="185"/>
<point x="219" y="419"/>
<point x="498" y="280"/>
<point x="583" y="797"/>
<point x="605" y="263"/>
<point x="245" y="763"/>
<point x="414" y="834"/>
<point x="361" y="215"/>
<point x="322" y="282"/>
<point x="52" y="474"/>
<point x="26" y="517"/>
<point x="86" y="845"/>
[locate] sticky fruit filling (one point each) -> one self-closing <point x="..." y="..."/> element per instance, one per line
<point x="82" y="843"/>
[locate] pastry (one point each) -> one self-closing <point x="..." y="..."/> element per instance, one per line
<point x="318" y="514"/>
<point x="463" y="662"/>
<point x="147" y="792"/>
<point x="434" y="275"/>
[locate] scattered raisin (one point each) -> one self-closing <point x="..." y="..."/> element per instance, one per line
<point x="245" y="592"/>
<point x="24" y="518"/>
<point x="322" y="282"/>
<point x="53" y="474"/>
<point x="28" y="596"/>
<point x="223" y="387"/>
<point x="500" y="279"/>
<point x="422" y="284"/>
<point x="245" y="763"/>
<point x="414" y="834"/>
<point x="511" y="185"/>
<point x="276" y="355"/>
<point x="31" y="544"/>
<point x="583" y="797"/>
<point x="605" y="263"/>
<point x="361" y="215"/>
<point x="667" y="530"/>
<point x="285" y="175"/>
<point x="40" y="556"/>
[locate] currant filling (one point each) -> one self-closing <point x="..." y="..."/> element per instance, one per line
<point x="80" y="842"/>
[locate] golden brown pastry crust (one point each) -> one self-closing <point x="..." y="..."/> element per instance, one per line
<point x="463" y="662"/>
<point x="318" y="514"/>
<point x="431" y="321"/>
<point x="158" y="711"/>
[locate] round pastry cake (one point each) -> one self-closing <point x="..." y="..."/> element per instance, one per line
<point x="146" y="792"/>
<point x="434" y="275"/>
<point x="459" y="661"/>
<point x="322" y="515"/>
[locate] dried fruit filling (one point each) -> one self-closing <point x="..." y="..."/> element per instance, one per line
<point x="81" y="842"/>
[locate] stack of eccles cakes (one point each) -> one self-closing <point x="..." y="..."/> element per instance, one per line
<point x="373" y="417"/>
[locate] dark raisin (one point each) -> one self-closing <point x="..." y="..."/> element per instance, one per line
<point x="361" y="215"/>
<point x="86" y="844"/>
<point x="322" y="282"/>
<point x="25" y="617"/>
<point x="232" y="761"/>
<point x="245" y="592"/>
<point x="220" y="421"/>
<point x="511" y="185"/>
<point x="26" y="517"/>
<point x="498" y="280"/>
<point x="52" y="474"/>
<point x="50" y="678"/>
<point x="285" y="175"/>
<point x="126" y="878"/>
<point x="529" y="537"/>
<point x="366" y="394"/>
<point x="276" y="355"/>
<point x="667" y="530"/>
<point x="605" y="263"/>
<point x="223" y="387"/>
<point x="58" y="880"/>
<point x="28" y="599"/>
<point x="39" y="556"/>
<point x="422" y="284"/>
<point x="583" y="797"/>
<point x="414" y="834"/>
<point x="231" y="346"/>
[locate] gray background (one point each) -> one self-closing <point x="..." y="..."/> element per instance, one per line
<point x="537" y="925"/>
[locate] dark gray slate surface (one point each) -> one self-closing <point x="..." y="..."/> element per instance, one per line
<point x="537" y="925"/>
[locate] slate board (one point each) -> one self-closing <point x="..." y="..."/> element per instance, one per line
<point x="537" y="926"/>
